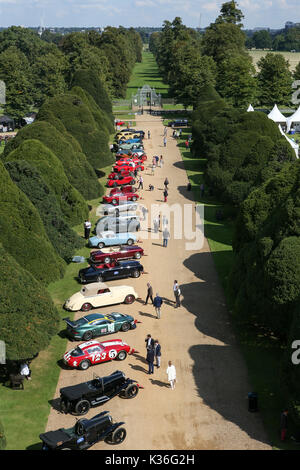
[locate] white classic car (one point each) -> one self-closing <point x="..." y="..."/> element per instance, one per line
<point x="98" y="294"/>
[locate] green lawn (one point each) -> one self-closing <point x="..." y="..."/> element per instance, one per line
<point x="261" y="353"/>
<point x="146" y="73"/>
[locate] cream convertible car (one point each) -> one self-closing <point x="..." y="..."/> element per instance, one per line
<point x="98" y="294"/>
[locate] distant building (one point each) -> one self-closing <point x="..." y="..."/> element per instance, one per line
<point x="290" y="24"/>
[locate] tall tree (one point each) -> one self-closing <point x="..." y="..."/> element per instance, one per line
<point x="274" y="80"/>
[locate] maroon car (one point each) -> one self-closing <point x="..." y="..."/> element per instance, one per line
<point x="115" y="253"/>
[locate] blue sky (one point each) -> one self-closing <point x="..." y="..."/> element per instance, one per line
<point x="269" y="13"/>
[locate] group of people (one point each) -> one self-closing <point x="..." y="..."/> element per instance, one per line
<point x="157" y="301"/>
<point x="154" y="354"/>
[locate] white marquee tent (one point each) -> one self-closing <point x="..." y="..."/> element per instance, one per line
<point x="293" y="144"/>
<point x="250" y="108"/>
<point x="294" y="119"/>
<point x="277" y="116"/>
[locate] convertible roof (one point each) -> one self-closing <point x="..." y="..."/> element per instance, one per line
<point x="93" y="288"/>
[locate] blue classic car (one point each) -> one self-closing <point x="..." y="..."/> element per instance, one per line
<point x="130" y="141"/>
<point x="110" y="238"/>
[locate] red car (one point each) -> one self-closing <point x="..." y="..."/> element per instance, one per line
<point x="123" y="252"/>
<point x="115" y="174"/>
<point x="127" y="167"/>
<point x="114" y="198"/>
<point x="140" y="157"/>
<point x="123" y="189"/>
<point x="120" y="123"/>
<point x="122" y="180"/>
<point x="93" y="352"/>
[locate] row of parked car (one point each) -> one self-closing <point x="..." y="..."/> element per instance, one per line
<point x="117" y="256"/>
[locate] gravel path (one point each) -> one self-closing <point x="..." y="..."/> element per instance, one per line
<point x="208" y="408"/>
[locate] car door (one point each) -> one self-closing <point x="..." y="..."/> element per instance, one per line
<point x="104" y="297"/>
<point x="115" y="272"/>
<point x="104" y="327"/>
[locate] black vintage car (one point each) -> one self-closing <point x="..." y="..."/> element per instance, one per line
<point x="108" y="271"/>
<point x="84" y="434"/>
<point x="77" y="399"/>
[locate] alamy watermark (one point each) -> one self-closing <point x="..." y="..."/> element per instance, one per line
<point x="183" y="222"/>
<point x="2" y="92"/>
<point x="2" y="352"/>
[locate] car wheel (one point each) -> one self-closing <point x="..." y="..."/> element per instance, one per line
<point x="137" y="255"/>
<point x="84" y="365"/>
<point x="114" y="201"/>
<point x="99" y="279"/>
<point x="64" y="406"/>
<point x="122" y="355"/>
<point x="107" y="260"/>
<point x="136" y="273"/>
<point x="125" y="327"/>
<point x="117" y="436"/>
<point x="101" y="245"/>
<point x="82" y="407"/>
<point x="134" y="198"/>
<point x="115" y="185"/>
<point x="131" y="391"/>
<point x="129" y="299"/>
<point x="86" y="307"/>
<point x="87" y="336"/>
<point x="129" y="241"/>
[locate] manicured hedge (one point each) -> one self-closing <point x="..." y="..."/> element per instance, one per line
<point x="79" y="121"/>
<point x="29" y="180"/>
<point x="28" y="317"/>
<point x="77" y="169"/>
<point x="71" y="202"/>
<point x="23" y="235"/>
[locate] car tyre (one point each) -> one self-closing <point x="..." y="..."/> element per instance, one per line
<point x="107" y="260"/>
<point x="84" y="365"/>
<point x="129" y="241"/>
<point x="122" y="355"/>
<point x="99" y="278"/>
<point x="82" y="407"/>
<point x="131" y="391"/>
<point x="86" y="307"/>
<point x="117" y="436"/>
<point x="87" y="336"/>
<point x="115" y="185"/>
<point x="134" y="198"/>
<point x="137" y="255"/>
<point x="114" y="201"/>
<point x="125" y="327"/>
<point x="101" y="245"/>
<point x="136" y="273"/>
<point x="129" y="299"/>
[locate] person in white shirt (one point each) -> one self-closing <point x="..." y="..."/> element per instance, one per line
<point x="24" y="370"/>
<point x="87" y="229"/>
<point x="171" y="373"/>
<point x="177" y="293"/>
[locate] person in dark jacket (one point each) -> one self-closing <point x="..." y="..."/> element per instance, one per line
<point x="157" y="302"/>
<point x="149" y="342"/>
<point x="157" y="353"/>
<point x="149" y="293"/>
<point x="165" y="193"/>
<point x="150" y="359"/>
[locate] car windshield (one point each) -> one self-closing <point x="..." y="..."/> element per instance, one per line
<point x="77" y="352"/>
<point x="115" y="316"/>
<point x="81" y="321"/>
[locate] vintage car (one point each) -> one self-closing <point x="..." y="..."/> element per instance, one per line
<point x="129" y="166"/>
<point x="130" y="140"/>
<point x="127" y="159"/>
<point x="126" y="135"/>
<point x="178" y="123"/>
<point x="96" y="324"/>
<point x="111" y="238"/>
<point x="123" y="205"/>
<point x="130" y="130"/>
<point x="129" y="146"/>
<point x="115" y="198"/>
<point x="121" y="181"/>
<point x="98" y="295"/>
<point x="110" y="271"/>
<point x="120" y="171"/>
<point x="119" y="123"/>
<point x="106" y="255"/>
<point x="78" y="399"/>
<point x="140" y="155"/>
<point x="92" y="352"/>
<point x="126" y="153"/>
<point x="84" y="434"/>
<point x="117" y="223"/>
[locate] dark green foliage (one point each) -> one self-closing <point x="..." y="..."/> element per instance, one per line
<point x="72" y="204"/>
<point x="2" y="437"/>
<point x="77" y="169"/>
<point x="23" y="235"/>
<point x="29" y="180"/>
<point x="28" y="316"/>
<point x="79" y="121"/>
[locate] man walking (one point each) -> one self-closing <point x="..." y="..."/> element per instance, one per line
<point x="149" y="134"/>
<point x="166" y="183"/>
<point x="166" y="237"/>
<point x="165" y="193"/>
<point x="157" y="302"/>
<point x="171" y="373"/>
<point x="149" y="293"/>
<point x="141" y="181"/>
<point x="87" y="229"/>
<point x="150" y="359"/>
<point x="157" y="353"/>
<point x="177" y="293"/>
<point x="165" y="141"/>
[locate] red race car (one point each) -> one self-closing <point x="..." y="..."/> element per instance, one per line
<point x="122" y="180"/>
<point x="93" y="352"/>
<point x="123" y="189"/>
<point x="115" y="252"/>
<point x="115" y="174"/>
<point x="140" y="157"/>
<point x="120" y="123"/>
<point x="126" y="166"/>
<point x="114" y="198"/>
